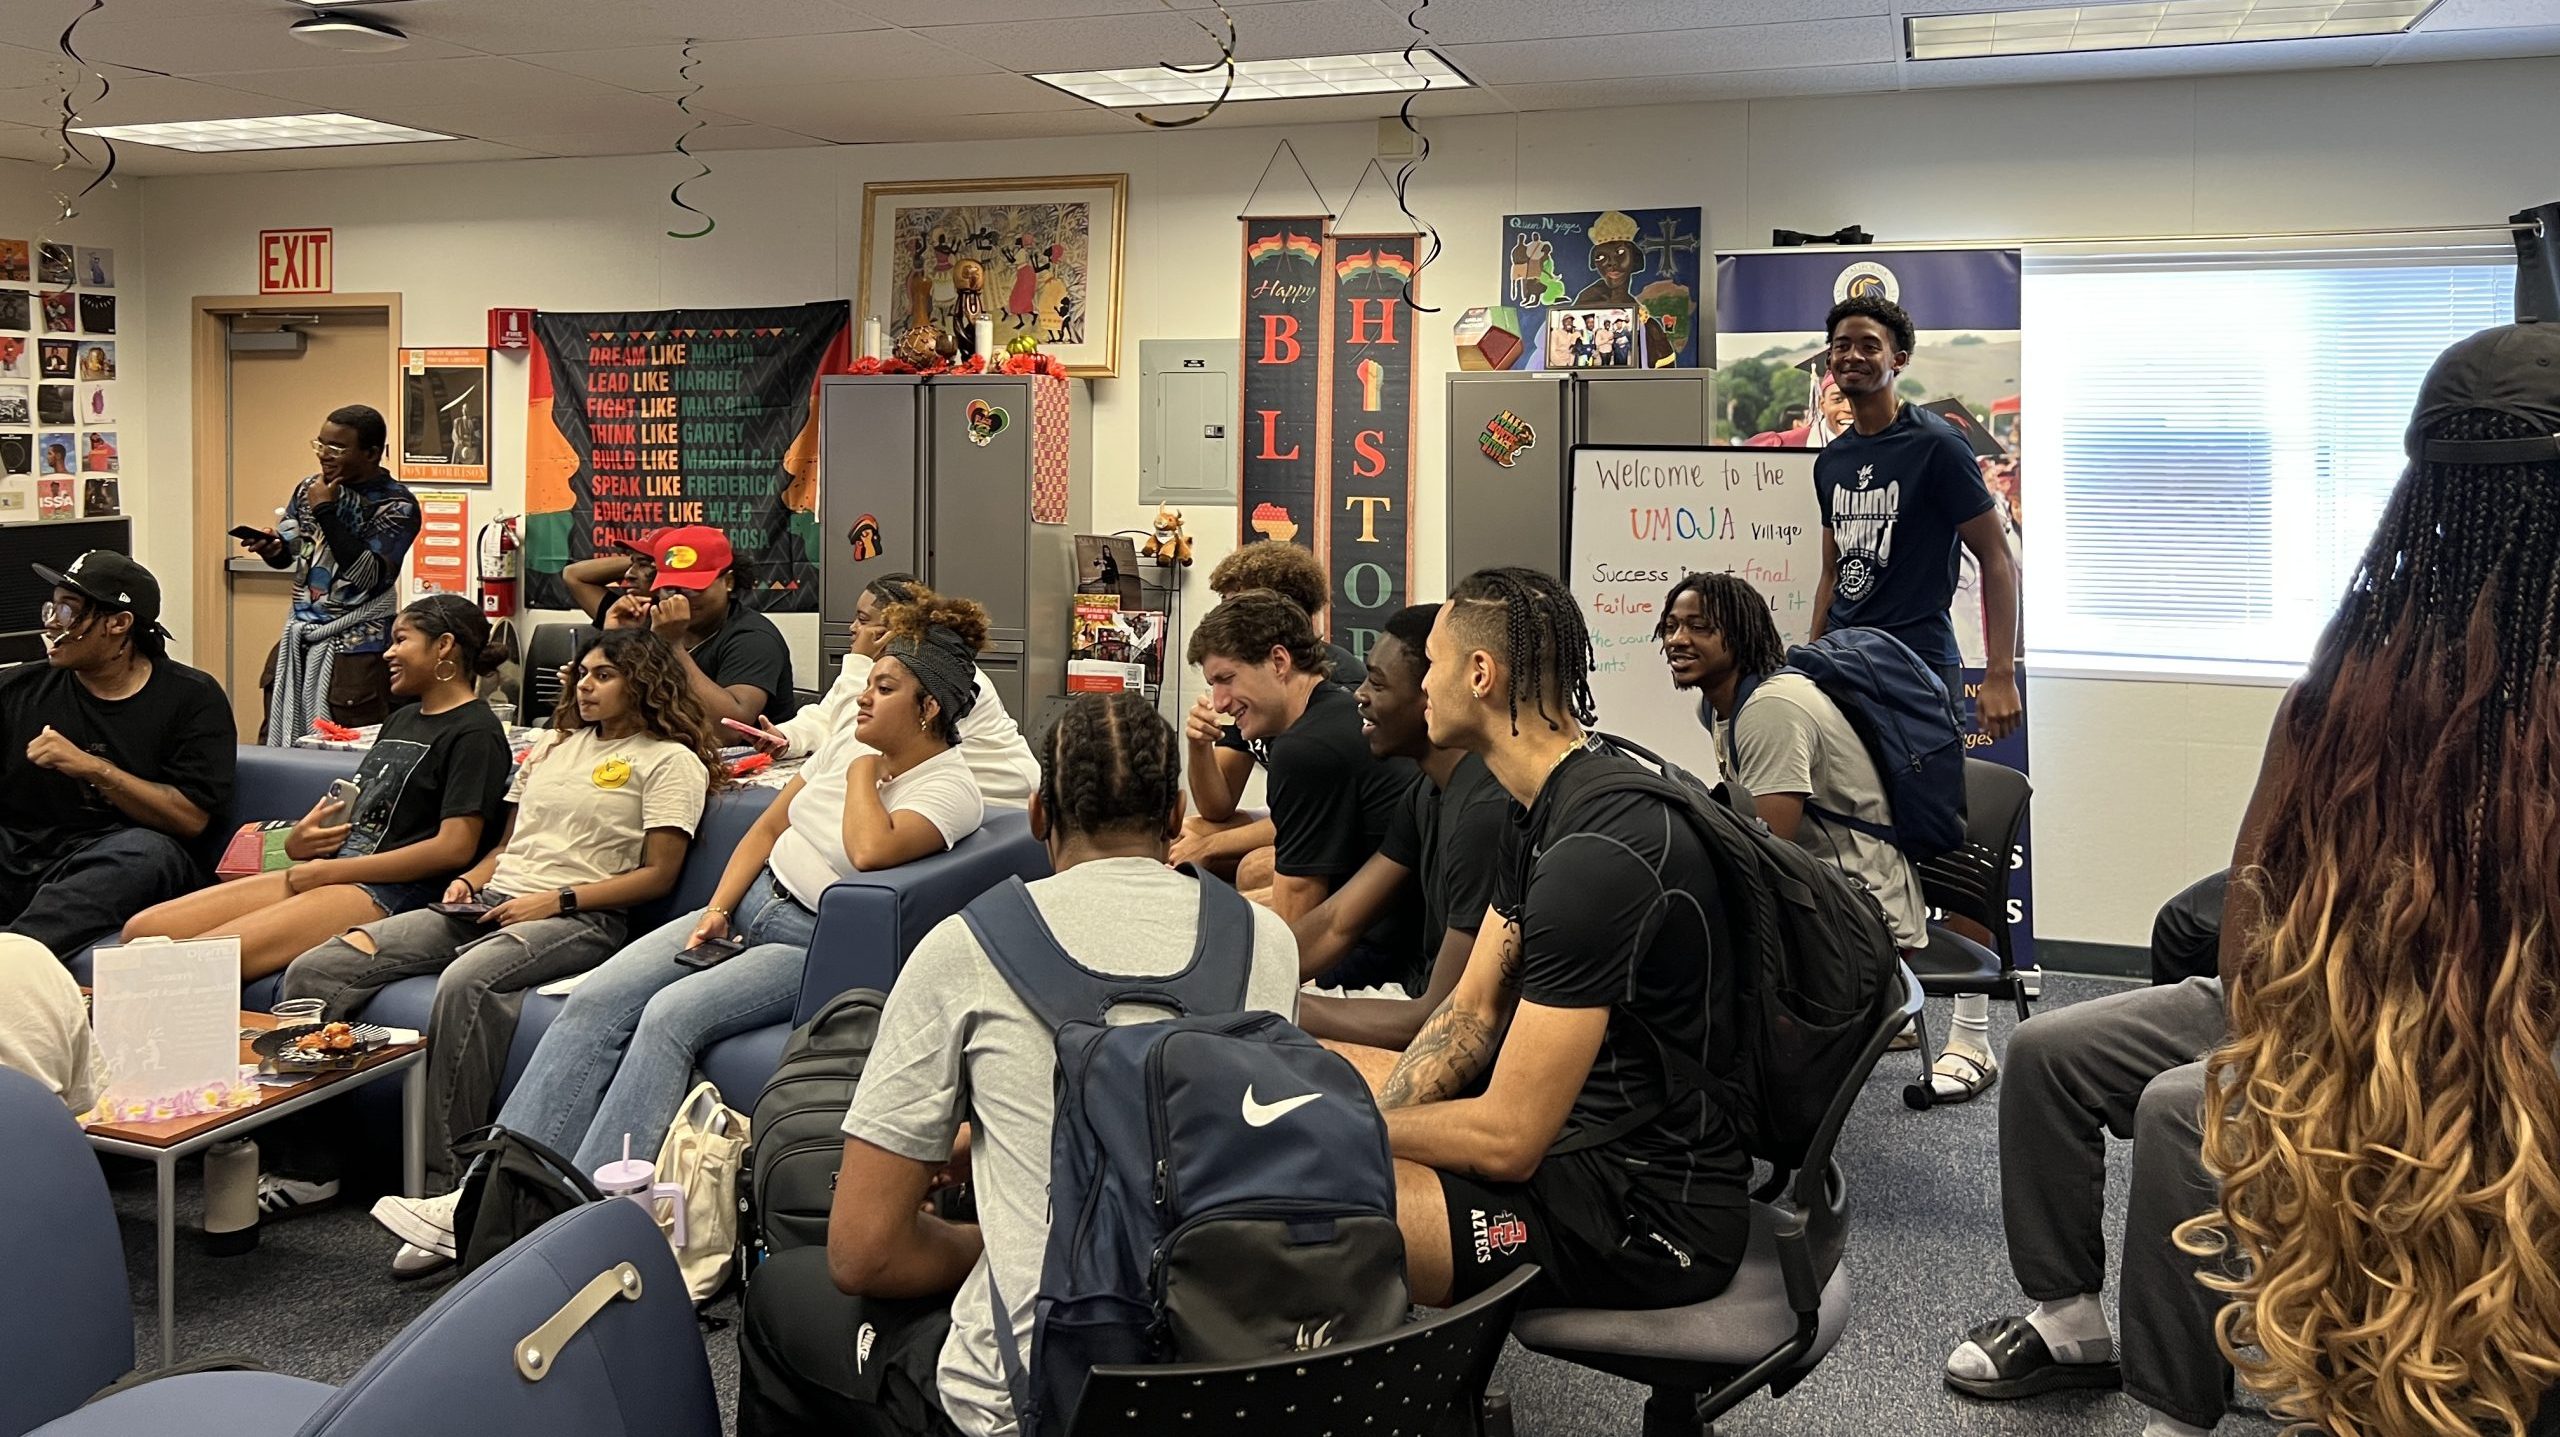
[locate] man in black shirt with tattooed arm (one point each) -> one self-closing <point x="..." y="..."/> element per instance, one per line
<point x="1536" y="1117"/>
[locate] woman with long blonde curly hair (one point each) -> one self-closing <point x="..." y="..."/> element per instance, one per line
<point x="2344" y="1179"/>
<point x="2384" y="1116"/>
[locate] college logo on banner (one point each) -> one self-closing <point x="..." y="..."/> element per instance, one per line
<point x="641" y="422"/>
<point x="1283" y="355"/>
<point x="1369" y="449"/>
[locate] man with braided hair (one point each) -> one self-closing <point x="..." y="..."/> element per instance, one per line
<point x="905" y="1353"/>
<point x="1536" y="1117"/>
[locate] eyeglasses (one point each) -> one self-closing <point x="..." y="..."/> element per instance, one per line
<point x="61" y="615"/>
<point x="327" y="450"/>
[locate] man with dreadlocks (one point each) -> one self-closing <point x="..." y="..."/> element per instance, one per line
<point x="2379" y="1047"/>
<point x="1536" y="1117"/>
<point x="1813" y="778"/>
<point x="905" y="1354"/>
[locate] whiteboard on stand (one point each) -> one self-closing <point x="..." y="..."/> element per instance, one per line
<point x="1643" y="519"/>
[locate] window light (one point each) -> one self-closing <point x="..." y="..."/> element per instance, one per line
<point x="2150" y="24"/>
<point x="1385" y="72"/>
<point x="270" y="132"/>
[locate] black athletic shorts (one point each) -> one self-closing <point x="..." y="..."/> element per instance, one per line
<point x="1595" y="1241"/>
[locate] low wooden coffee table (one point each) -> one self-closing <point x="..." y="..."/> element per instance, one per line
<point x="164" y="1143"/>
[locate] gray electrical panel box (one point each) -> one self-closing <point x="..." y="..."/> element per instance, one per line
<point x="1187" y="408"/>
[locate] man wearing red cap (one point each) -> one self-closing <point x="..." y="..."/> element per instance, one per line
<point x="734" y="657"/>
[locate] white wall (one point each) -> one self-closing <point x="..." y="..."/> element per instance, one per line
<point x="2141" y="782"/>
<point x="30" y="208"/>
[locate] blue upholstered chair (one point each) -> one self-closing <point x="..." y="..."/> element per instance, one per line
<point x="67" y="1328"/>
<point x="617" y="1354"/>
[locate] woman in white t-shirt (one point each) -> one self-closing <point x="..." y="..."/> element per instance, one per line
<point x="891" y="789"/>
<point x="599" y="820"/>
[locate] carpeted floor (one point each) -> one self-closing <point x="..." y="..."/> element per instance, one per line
<point x="316" y="1297"/>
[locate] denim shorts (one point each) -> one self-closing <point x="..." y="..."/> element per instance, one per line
<point x="397" y="898"/>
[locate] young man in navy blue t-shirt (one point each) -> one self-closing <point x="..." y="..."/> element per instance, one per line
<point x="1899" y="491"/>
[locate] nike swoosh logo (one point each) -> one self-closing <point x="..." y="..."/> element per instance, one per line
<point x="1263" y="1115"/>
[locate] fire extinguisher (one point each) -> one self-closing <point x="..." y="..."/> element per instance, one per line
<point x="501" y="562"/>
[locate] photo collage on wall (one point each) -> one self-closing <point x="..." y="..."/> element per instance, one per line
<point x="59" y="390"/>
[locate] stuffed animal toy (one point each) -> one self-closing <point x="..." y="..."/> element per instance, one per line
<point x="1168" y="545"/>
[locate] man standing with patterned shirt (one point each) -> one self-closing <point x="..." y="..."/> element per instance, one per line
<point x="344" y="534"/>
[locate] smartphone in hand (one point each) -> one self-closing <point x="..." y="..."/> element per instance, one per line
<point x="254" y="538"/>
<point x="712" y="951"/>
<point x="474" y="911"/>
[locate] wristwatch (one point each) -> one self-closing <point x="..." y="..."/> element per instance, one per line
<point x="568" y="900"/>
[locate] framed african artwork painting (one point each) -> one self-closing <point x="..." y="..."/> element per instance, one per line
<point x="1037" y="257"/>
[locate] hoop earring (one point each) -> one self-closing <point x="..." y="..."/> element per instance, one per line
<point x="443" y="677"/>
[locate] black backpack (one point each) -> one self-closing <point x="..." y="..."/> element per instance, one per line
<point x="798" y="1126"/>
<point x="1818" y="967"/>
<point x="510" y="1186"/>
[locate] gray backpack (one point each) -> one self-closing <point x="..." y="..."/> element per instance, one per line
<point x="798" y="1126"/>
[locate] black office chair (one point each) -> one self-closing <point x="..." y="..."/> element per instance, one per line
<point x="1972" y="883"/>
<point x="551" y="646"/>
<point x="1423" y="1380"/>
<point x="1782" y="1313"/>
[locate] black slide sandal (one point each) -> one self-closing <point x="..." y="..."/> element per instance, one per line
<point x="2026" y="1366"/>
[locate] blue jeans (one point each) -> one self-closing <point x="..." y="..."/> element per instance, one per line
<point x="619" y="1058"/>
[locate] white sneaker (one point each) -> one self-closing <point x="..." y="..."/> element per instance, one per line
<point x="281" y="1197"/>
<point x="412" y="1262"/>
<point x="421" y="1222"/>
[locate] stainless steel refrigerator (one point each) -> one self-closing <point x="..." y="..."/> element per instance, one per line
<point x="924" y="478"/>
<point x="1515" y="513"/>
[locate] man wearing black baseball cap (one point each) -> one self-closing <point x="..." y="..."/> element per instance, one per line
<point x="115" y="762"/>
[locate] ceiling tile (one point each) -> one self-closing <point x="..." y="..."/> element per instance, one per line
<point x="709" y="139"/>
<point x="2432" y="45"/>
<point x="142" y="99"/>
<point x="2490" y="15"/>
<point x="803" y="60"/>
<point x="23" y="65"/>
<point x="1680" y="52"/>
<point x="465" y="96"/>
<point x="1284" y="30"/>
<point x="38" y="23"/>
<point x="1487" y="21"/>
<point x="1343" y="109"/>
<point x="531" y="27"/>
<point x="906" y="126"/>
<point x="1701" y="89"/>
<point x="214" y="42"/>
<point x="853" y="114"/>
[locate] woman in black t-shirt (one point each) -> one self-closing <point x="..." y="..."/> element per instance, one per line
<point x="426" y="808"/>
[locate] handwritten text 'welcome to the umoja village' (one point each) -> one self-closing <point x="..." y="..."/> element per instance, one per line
<point x="1670" y="523"/>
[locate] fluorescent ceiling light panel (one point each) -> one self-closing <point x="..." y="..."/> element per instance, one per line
<point x="2150" y="24"/>
<point x="1384" y="73"/>
<point x="271" y="132"/>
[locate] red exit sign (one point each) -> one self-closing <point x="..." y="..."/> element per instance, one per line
<point x="294" y="262"/>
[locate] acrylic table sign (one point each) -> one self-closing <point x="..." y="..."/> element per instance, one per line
<point x="168" y="1021"/>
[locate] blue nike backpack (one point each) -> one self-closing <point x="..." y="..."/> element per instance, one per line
<point x="1907" y="720"/>
<point x="1219" y="1183"/>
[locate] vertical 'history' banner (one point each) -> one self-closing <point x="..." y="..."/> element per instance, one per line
<point x="1369" y="380"/>
<point x="1276" y="492"/>
<point x="640" y="422"/>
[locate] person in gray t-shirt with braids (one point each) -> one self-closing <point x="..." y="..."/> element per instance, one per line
<point x="956" y="1045"/>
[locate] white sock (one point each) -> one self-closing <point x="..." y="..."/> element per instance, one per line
<point x="2075" y="1329"/>
<point x="1969" y="1036"/>
<point x="2164" y="1425"/>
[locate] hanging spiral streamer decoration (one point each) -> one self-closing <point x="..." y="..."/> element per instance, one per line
<point x="684" y="102"/>
<point x="70" y="146"/>
<point x="1422" y="151"/>
<point x="1226" y="58"/>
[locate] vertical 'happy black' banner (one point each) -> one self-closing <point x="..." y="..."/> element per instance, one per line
<point x="1369" y="444"/>
<point x="1283" y="351"/>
